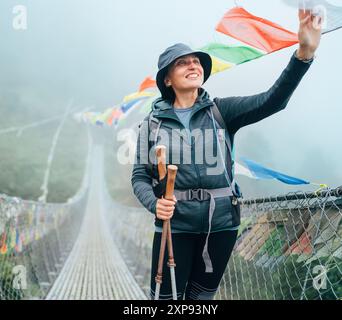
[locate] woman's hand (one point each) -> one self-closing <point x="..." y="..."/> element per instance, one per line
<point x="309" y="34"/>
<point x="165" y="208"/>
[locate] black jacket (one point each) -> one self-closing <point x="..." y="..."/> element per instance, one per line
<point x="237" y="112"/>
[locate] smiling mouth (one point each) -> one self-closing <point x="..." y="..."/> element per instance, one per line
<point x="192" y="76"/>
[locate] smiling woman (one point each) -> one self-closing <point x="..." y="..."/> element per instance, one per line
<point x="204" y="210"/>
<point x="175" y="65"/>
<point x="185" y="74"/>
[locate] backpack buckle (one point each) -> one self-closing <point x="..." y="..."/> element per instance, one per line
<point x="197" y="194"/>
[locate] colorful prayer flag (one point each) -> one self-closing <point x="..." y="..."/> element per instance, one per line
<point x="148" y="82"/>
<point x="257" y="171"/>
<point x="127" y="106"/>
<point x="19" y="243"/>
<point x="13" y="238"/>
<point x="3" y="244"/>
<point x="232" y="54"/>
<point x="138" y="95"/>
<point x="255" y="31"/>
<point x="219" y="65"/>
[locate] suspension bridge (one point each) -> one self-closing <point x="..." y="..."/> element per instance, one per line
<point x="92" y="247"/>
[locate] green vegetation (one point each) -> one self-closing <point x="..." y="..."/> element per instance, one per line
<point x="24" y="156"/>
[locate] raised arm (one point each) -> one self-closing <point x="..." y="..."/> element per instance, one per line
<point x="242" y="111"/>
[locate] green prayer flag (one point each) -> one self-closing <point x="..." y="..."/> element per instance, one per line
<point x="232" y="54"/>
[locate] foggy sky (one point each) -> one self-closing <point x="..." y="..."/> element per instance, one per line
<point x="99" y="51"/>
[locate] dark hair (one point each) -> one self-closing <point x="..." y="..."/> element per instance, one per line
<point x="169" y="93"/>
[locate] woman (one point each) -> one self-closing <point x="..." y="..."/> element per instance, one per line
<point x="204" y="214"/>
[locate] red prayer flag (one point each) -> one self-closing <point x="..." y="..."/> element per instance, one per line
<point x="3" y="245"/>
<point x="302" y="246"/>
<point x="110" y="120"/>
<point x="255" y="31"/>
<point x="147" y="83"/>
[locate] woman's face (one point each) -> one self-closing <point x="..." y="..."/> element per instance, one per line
<point x="186" y="73"/>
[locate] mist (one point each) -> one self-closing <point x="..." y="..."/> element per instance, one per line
<point x="97" y="52"/>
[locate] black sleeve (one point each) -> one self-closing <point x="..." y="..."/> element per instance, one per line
<point x="238" y="112"/>
<point x="141" y="180"/>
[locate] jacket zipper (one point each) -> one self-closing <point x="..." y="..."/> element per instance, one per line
<point x="197" y="171"/>
<point x="192" y="153"/>
<point x="192" y="150"/>
<point x="195" y="166"/>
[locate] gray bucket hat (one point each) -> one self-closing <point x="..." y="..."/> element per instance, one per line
<point x="169" y="56"/>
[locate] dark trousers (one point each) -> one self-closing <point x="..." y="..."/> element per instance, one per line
<point x="192" y="282"/>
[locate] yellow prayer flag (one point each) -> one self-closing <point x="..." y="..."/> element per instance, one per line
<point x="137" y="95"/>
<point x="219" y="65"/>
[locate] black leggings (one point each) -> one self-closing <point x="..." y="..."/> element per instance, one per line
<point x="192" y="282"/>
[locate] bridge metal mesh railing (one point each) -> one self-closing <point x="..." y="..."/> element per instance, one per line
<point x="132" y="230"/>
<point x="35" y="240"/>
<point x="289" y="247"/>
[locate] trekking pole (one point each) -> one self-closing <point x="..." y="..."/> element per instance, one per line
<point x="160" y="154"/>
<point x="171" y="177"/>
<point x="166" y="233"/>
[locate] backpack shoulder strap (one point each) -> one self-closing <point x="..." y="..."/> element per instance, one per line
<point x="218" y="116"/>
<point x="219" y="119"/>
<point x="153" y="127"/>
<point x="152" y="122"/>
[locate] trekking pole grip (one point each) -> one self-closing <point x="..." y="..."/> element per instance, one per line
<point x="171" y="178"/>
<point x="161" y="160"/>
